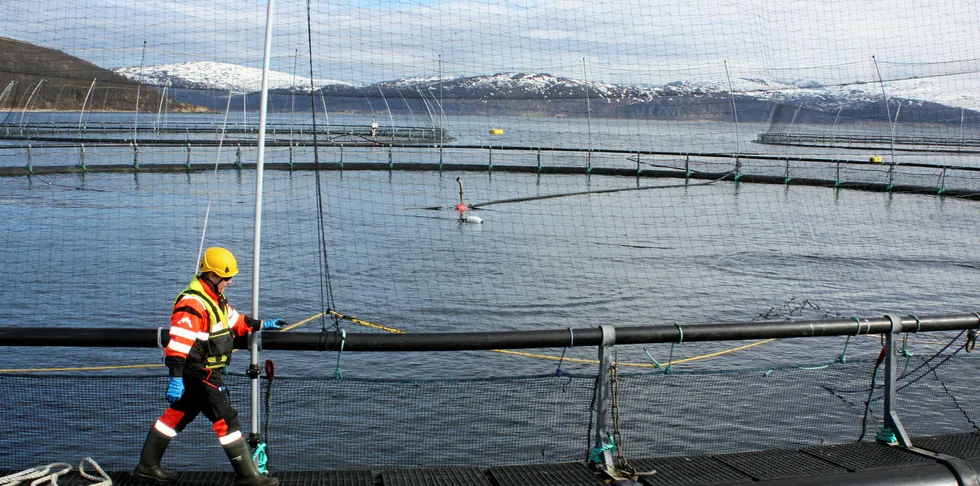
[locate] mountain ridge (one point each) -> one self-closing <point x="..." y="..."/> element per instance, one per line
<point x="37" y="77"/>
<point x="41" y="78"/>
<point x="529" y="93"/>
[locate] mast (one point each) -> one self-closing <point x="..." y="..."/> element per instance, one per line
<point x="253" y="369"/>
<point x="588" y="113"/>
<point x="139" y="84"/>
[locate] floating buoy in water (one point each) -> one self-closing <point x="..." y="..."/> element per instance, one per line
<point x="496" y="131"/>
<point x="462" y="207"/>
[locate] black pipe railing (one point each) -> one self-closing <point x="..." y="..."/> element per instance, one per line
<point x="970" y="194"/>
<point x="462" y="341"/>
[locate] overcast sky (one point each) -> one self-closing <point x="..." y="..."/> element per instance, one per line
<point x="365" y="41"/>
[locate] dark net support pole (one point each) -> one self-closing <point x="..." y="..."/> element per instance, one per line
<point x="464" y="341"/>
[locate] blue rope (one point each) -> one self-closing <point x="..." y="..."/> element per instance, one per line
<point x="656" y="364"/>
<point x="260" y="458"/>
<point x="559" y="372"/>
<point x="670" y="360"/>
<point x="867" y="404"/>
<point x="843" y="354"/>
<point x="571" y="344"/>
<point x="596" y="454"/>
<point x="887" y="435"/>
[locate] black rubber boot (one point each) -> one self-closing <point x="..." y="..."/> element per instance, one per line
<point x="149" y="466"/>
<point x="246" y="474"/>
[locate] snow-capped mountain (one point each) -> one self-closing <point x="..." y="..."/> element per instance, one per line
<point x="548" y="94"/>
<point x="511" y="85"/>
<point x="219" y="76"/>
<point x="955" y="91"/>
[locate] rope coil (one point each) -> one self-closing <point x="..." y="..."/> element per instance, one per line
<point x="51" y="472"/>
<point x="103" y="478"/>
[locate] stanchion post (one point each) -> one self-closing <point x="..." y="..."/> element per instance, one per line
<point x="602" y="445"/>
<point x="891" y="420"/>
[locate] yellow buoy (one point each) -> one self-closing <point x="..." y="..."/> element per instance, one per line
<point x="875" y="159"/>
<point x="496" y="131"/>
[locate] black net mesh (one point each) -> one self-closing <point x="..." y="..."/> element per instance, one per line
<point x="355" y="423"/>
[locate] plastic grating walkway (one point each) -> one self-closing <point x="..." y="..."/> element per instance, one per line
<point x="684" y="471"/>
<point x="564" y="474"/>
<point x="965" y="446"/>
<point x="834" y="463"/>
<point x="435" y="477"/>
<point x="865" y="456"/>
<point x="854" y="463"/>
<point x="779" y="464"/>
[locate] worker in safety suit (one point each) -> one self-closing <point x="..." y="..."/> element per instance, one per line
<point x="202" y="330"/>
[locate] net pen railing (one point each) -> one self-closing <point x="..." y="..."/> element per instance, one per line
<point x="600" y="411"/>
<point x="910" y="176"/>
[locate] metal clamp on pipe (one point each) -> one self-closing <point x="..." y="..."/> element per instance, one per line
<point x="163" y="351"/>
<point x="896" y="323"/>
<point x="971" y="336"/>
<point x="257" y="339"/>
<point x="608" y="335"/>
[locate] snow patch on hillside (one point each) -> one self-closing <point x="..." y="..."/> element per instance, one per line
<point x="220" y="76"/>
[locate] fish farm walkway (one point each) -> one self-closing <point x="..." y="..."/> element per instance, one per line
<point x="942" y="460"/>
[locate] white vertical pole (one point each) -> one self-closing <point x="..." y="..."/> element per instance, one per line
<point x="256" y="245"/>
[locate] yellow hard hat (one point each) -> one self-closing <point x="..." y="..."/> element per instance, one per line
<point x="220" y="261"/>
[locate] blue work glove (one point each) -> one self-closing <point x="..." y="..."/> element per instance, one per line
<point x="175" y="390"/>
<point x="273" y="324"/>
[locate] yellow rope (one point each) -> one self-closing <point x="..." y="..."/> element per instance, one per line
<point x="635" y="365"/>
<point x="82" y="368"/>
<point x="304" y="321"/>
<point x="366" y="323"/>
<point x="573" y="360"/>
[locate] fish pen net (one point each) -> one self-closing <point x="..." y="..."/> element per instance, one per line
<point x="437" y="168"/>
<point x="368" y="423"/>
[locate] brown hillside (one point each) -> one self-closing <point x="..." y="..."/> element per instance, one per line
<point x="64" y="82"/>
